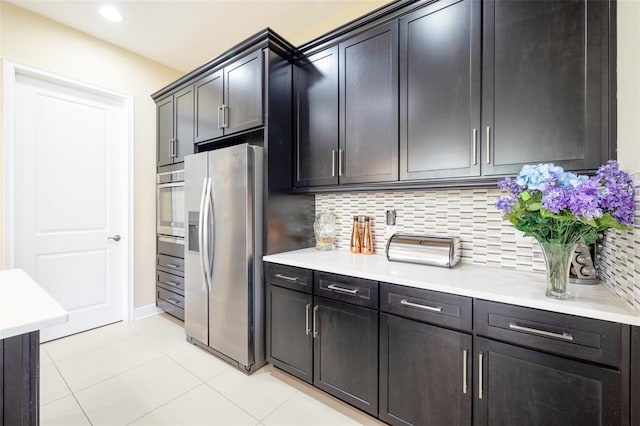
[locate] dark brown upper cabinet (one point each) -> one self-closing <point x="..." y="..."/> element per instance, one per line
<point x="175" y="115"/>
<point x="209" y="97"/>
<point x="316" y="120"/>
<point x="229" y="100"/>
<point x="368" y="148"/>
<point x="440" y="91"/>
<point x="347" y="111"/>
<point x="545" y="84"/>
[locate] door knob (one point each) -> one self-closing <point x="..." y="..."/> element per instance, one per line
<point x="114" y="238"/>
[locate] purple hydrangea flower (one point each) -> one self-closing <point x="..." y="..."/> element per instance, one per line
<point x="616" y="192"/>
<point x="555" y="199"/>
<point x="505" y="204"/>
<point x="511" y="185"/>
<point x="584" y="200"/>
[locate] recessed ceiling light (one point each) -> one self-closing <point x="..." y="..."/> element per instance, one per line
<point x="110" y="13"/>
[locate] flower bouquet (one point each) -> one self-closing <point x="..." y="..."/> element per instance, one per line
<point x="559" y="209"/>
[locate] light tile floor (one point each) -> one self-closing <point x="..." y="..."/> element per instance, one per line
<point x="145" y="373"/>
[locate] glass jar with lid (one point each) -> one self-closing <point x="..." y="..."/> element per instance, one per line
<point x="325" y="230"/>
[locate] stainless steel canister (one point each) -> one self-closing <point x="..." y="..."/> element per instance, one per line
<point x="425" y="250"/>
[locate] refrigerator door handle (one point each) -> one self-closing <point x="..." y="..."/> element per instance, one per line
<point x="211" y="233"/>
<point x="201" y="232"/>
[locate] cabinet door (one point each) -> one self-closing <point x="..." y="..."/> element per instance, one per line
<point x="209" y="100"/>
<point x="346" y="353"/>
<point x="316" y="108"/>
<point x="184" y="106"/>
<point x="289" y="337"/>
<point x="164" y="114"/>
<point x="525" y="387"/>
<point x="544" y="84"/>
<point x="369" y="106"/>
<point x="440" y="91"/>
<point x="425" y="377"/>
<point x="19" y="379"/>
<point x="243" y="93"/>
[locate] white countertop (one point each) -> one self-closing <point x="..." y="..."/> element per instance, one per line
<point x="25" y="306"/>
<point x="482" y="282"/>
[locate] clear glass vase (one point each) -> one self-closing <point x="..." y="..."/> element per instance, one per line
<point x="557" y="258"/>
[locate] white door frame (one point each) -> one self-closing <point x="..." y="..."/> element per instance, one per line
<point x="10" y="70"/>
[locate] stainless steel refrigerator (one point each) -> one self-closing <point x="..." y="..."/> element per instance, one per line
<point x="223" y="254"/>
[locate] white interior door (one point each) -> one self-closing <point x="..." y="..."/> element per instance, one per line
<point x="70" y="199"/>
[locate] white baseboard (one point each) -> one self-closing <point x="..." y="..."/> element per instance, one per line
<point x="146" y="311"/>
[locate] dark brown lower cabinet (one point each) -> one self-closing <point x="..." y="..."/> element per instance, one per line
<point x="289" y="336"/>
<point x="346" y="352"/>
<point x="19" y="379"/>
<point x="425" y="374"/>
<point x="514" y="385"/>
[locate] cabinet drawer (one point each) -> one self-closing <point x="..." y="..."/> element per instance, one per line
<point x="577" y="337"/>
<point x="425" y="305"/>
<point x="289" y="277"/>
<point x="357" y="291"/>
<point x="170" y="297"/>
<point x="171" y="246"/>
<point x="170" y="308"/>
<point x="170" y="282"/>
<point x="170" y="263"/>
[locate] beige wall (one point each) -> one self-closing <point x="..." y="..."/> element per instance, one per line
<point x="32" y="40"/>
<point x="629" y="85"/>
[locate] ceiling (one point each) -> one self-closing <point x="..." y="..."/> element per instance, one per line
<point x="184" y="34"/>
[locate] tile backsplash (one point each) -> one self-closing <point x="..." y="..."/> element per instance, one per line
<point x="486" y="238"/>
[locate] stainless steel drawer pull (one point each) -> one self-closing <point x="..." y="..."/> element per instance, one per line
<point x="563" y="336"/>
<point x="351" y="291"/>
<point x="174" y="302"/>
<point x="405" y="302"/>
<point x="285" y="277"/>
<point x="464" y="371"/>
<point x="340" y="162"/>
<point x="306" y="319"/>
<point x="173" y="283"/>
<point x="172" y="265"/>
<point x="315" y="322"/>
<point x="480" y="356"/>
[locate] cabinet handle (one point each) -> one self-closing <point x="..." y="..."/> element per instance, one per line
<point x="488" y="145"/>
<point x="171" y="265"/>
<point x="173" y="283"/>
<point x="474" y="146"/>
<point x="171" y="148"/>
<point x="225" y="108"/>
<point x="464" y="371"/>
<point x="285" y="277"/>
<point x="340" y="152"/>
<point x="315" y="322"/>
<point x="351" y="291"/>
<point x="563" y="336"/>
<point x="306" y="319"/>
<point x="174" y="301"/>
<point x="333" y="163"/>
<point x="405" y="302"/>
<point x="175" y="148"/>
<point x="219" y="109"/>
<point x="480" y="356"/>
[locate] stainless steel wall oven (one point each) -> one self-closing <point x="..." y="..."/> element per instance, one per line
<point x="170" y="203"/>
